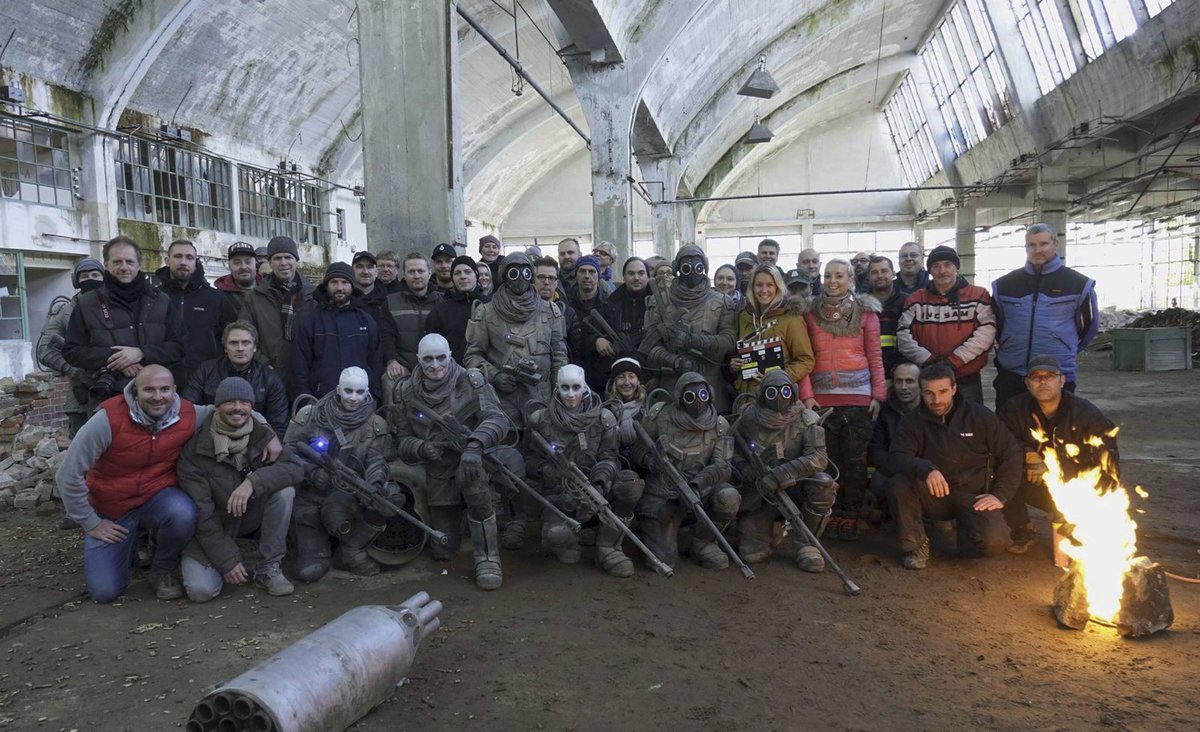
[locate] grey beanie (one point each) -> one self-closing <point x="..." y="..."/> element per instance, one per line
<point x="233" y="387"/>
<point x="87" y="264"/>
<point x="282" y="245"/>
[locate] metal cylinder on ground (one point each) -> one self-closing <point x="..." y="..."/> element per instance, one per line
<point x="328" y="679"/>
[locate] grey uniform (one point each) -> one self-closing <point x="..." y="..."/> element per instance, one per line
<point x="322" y="510"/>
<point x="49" y="354"/>
<point x="493" y="342"/>
<point x="713" y="322"/>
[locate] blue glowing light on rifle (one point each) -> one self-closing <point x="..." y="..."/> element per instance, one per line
<point x="320" y="444"/>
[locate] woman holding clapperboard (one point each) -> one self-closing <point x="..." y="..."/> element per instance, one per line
<point x="848" y="376"/>
<point x="771" y="333"/>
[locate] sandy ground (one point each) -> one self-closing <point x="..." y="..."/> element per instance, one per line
<point x="960" y="644"/>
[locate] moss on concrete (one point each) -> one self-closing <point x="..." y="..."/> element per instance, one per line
<point x="66" y="102"/>
<point x="115" y="22"/>
<point x="149" y="238"/>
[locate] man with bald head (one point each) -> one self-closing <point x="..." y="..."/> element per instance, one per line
<point x="119" y="475"/>
<point x="809" y="264"/>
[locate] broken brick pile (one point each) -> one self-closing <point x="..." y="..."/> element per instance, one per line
<point x="33" y="435"/>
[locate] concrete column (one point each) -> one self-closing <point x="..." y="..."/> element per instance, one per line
<point x="412" y="141"/>
<point x="1051" y="202"/>
<point x="685" y="215"/>
<point x="97" y="185"/>
<point x="919" y="235"/>
<point x="806" y="235"/>
<point x="964" y="240"/>
<point x="607" y="104"/>
<point x="661" y="176"/>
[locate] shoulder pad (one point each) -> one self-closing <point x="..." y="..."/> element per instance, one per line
<point x="379" y="425"/>
<point x="655" y="410"/>
<point x="608" y="419"/>
<point x="535" y="417"/>
<point x="476" y="379"/>
<point x="303" y="415"/>
<point x="722" y="426"/>
<point x="810" y="418"/>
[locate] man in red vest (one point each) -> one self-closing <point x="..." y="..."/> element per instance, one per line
<point x="119" y="476"/>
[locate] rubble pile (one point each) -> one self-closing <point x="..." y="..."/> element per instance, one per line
<point x="29" y="453"/>
<point x="1111" y="318"/>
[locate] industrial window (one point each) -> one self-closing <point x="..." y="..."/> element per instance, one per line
<point x="169" y="185"/>
<point x="275" y="204"/>
<point x="1102" y="23"/>
<point x="1046" y="41"/>
<point x="1154" y="7"/>
<point x="970" y="89"/>
<point x="910" y="133"/>
<point x="35" y="163"/>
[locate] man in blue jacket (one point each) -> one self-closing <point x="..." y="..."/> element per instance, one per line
<point x="1044" y="308"/>
<point x="336" y="334"/>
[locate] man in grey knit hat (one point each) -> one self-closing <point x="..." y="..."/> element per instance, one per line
<point x="237" y="494"/>
<point x="87" y="275"/>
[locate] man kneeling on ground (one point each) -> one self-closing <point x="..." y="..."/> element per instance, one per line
<point x="119" y="476"/>
<point x="954" y="459"/>
<point x="236" y="494"/>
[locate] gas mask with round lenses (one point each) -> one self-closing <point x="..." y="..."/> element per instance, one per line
<point x="433" y="356"/>
<point x="518" y="279"/>
<point x="572" y="387"/>
<point x="691" y="271"/>
<point x="695" y="399"/>
<point x="353" y="390"/>
<point x="780" y="398"/>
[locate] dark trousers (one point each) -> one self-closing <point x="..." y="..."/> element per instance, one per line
<point x="970" y="387"/>
<point x="980" y="533"/>
<point x="847" y="431"/>
<point x="1016" y="511"/>
<point x="1009" y="384"/>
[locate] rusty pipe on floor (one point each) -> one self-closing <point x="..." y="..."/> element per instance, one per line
<point x="327" y="680"/>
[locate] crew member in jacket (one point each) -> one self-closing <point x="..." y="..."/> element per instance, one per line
<point x="954" y="459"/>
<point x="336" y="334"/>
<point x="121" y="327"/>
<point x="200" y="310"/>
<point x="449" y="317"/>
<point x="275" y="307"/>
<point x="240" y="341"/>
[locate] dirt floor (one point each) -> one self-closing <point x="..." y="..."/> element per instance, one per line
<point x="962" y="644"/>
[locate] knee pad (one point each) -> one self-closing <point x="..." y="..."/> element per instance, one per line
<point x="558" y="534"/>
<point x="311" y="570"/>
<point x="725" y="501"/>
<point x="820" y="492"/>
<point x="628" y="486"/>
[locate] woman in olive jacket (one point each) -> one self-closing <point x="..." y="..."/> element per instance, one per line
<point x="769" y="313"/>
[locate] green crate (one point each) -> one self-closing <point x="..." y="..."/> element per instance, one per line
<point x="1152" y="349"/>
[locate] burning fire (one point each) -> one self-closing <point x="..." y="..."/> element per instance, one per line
<point x="1104" y="536"/>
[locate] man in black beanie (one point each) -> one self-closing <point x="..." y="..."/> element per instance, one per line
<point x="336" y="334"/>
<point x="449" y="317"/>
<point x="275" y="307"/>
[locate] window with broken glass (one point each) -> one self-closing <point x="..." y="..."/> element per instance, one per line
<point x="279" y="203"/>
<point x="165" y="184"/>
<point x="968" y="83"/>
<point x="35" y="163"/>
<point x="910" y="134"/>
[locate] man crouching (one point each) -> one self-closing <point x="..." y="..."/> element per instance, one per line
<point x="236" y="494"/>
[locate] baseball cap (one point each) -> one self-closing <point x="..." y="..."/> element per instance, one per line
<point x="239" y="248"/>
<point x="1048" y="364"/>
<point x="748" y="258"/>
<point x="444" y="250"/>
<point x="260" y="252"/>
<point x="364" y="254"/>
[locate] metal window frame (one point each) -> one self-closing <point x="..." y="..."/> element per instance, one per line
<point x="911" y="134"/>
<point x="167" y="184"/>
<point x="19" y="273"/>
<point x="1154" y="7"/>
<point x="274" y="203"/>
<point x="33" y="166"/>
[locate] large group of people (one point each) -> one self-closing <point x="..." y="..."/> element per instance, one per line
<point x="656" y="406"/>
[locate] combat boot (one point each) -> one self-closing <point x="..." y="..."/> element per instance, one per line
<point x="706" y="550"/>
<point x="352" y="551"/>
<point x="488" y="575"/>
<point x="808" y="557"/>
<point x="609" y="555"/>
<point x="754" y="528"/>
<point x="312" y="554"/>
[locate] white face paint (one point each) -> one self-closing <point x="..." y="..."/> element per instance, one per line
<point x="433" y="354"/>
<point x="572" y="388"/>
<point x="352" y="388"/>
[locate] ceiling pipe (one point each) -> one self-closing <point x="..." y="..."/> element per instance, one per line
<point x="906" y="189"/>
<point x="521" y="71"/>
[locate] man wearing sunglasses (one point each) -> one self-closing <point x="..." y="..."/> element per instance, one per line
<point x="691" y="327"/>
<point x="790" y="443"/>
<point x="861" y="262"/>
<point x="690" y="434"/>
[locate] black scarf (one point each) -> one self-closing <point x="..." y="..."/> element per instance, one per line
<point x="770" y="419"/>
<point x="287" y="295"/>
<point x="435" y="393"/>
<point x="577" y="420"/>
<point x="127" y="295"/>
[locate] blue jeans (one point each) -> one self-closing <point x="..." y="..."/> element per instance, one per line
<point x="169" y="516"/>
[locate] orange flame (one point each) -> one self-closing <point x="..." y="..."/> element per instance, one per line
<point x="1106" y="536"/>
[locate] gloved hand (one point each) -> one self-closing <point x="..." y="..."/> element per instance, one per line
<point x="679" y="338"/>
<point x="602" y="481"/>
<point x="431" y="451"/>
<point x="769" y="485"/>
<point x="503" y="382"/>
<point x="684" y="364"/>
<point x="470" y="465"/>
<point x="394" y="493"/>
<point x="319" y="478"/>
<point x="1035" y="471"/>
<point x="549" y="474"/>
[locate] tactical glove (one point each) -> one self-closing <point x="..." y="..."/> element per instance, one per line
<point x="769" y="485"/>
<point x="504" y="382"/>
<point x="470" y="465"/>
<point x="431" y="451"/>
<point x="679" y="337"/>
<point x="319" y="478"/>
<point x="684" y="364"/>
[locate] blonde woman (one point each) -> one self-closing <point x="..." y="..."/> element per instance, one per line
<point x="770" y="313"/>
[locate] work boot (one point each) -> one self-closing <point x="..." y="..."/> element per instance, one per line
<point x="352" y="551"/>
<point x="166" y="587"/>
<point x="273" y="581"/>
<point x="1022" y="539"/>
<point x="809" y="558"/>
<point x="488" y="575"/>
<point x="919" y="557"/>
<point x="513" y="536"/>
<point x="609" y="555"/>
<point x="754" y="536"/>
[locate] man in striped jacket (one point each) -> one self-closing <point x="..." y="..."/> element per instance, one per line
<point x="950" y="320"/>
